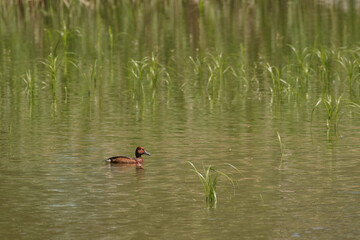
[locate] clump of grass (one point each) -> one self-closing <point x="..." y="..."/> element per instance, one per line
<point x="209" y="179"/>
<point x="332" y="107"/>
<point x="217" y="68"/>
<point x="197" y="67"/>
<point x="64" y="34"/>
<point x="214" y="74"/>
<point x="351" y="68"/>
<point x="51" y="63"/>
<point x="279" y="85"/>
<point x="301" y="57"/>
<point x="89" y="74"/>
<point x="156" y="73"/>
<point x="137" y="74"/>
<point x="147" y="73"/>
<point x="91" y="77"/>
<point x="29" y="81"/>
<point x="324" y="57"/>
<point x="303" y="68"/>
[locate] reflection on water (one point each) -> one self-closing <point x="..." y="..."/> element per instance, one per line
<point x="56" y="132"/>
<point x="73" y="193"/>
<point x="127" y="169"/>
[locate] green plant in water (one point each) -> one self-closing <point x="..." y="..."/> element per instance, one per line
<point x="277" y="81"/>
<point x="217" y="68"/>
<point x="90" y="75"/>
<point x="136" y="71"/>
<point x="156" y="73"/>
<point x="147" y="73"/>
<point x="93" y="77"/>
<point x="324" y="57"/>
<point x="332" y="107"/>
<point x="64" y="33"/>
<point x="351" y="67"/>
<point x="52" y="65"/>
<point x="209" y="180"/>
<point x="29" y="81"/>
<point x="302" y="66"/>
<point x="197" y="67"/>
<point x="301" y="57"/>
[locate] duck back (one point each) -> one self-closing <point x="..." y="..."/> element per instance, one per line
<point x="122" y="159"/>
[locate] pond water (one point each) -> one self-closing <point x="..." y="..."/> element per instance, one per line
<point x="189" y="81"/>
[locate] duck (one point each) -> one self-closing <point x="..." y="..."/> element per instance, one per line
<point x="138" y="161"/>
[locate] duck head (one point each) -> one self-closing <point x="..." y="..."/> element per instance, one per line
<point x="140" y="151"/>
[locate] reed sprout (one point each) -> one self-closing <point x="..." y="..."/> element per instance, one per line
<point x="332" y="107"/>
<point x="216" y="85"/>
<point x="197" y="67"/>
<point x="137" y="75"/>
<point x="157" y="73"/>
<point x="278" y="84"/>
<point x="147" y="73"/>
<point x="209" y="179"/>
<point x="324" y="58"/>
<point x="351" y="68"/>
<point x="301" y="57"/>
<point x="51" y="63"/>
<point x="64" y="33"/>
<point x="91" y="77"/>
<point x="303" y="68"/>
<point x="29" y="82"/>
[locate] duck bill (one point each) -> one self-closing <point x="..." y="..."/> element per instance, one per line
<point x="147" y="153"/>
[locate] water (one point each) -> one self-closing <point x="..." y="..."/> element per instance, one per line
<point x="55" y="183"/>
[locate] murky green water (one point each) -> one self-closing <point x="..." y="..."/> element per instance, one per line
<point x="81" y="84"/>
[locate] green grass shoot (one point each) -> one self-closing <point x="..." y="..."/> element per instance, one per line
<point x="332" y="107"/>
<point x="29" y="81"/>
<point x="209" y="180"/>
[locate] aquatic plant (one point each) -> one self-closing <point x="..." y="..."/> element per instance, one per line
<point x="324" y="57"/>
<point x="351" y="68"/>
<point x="303" y="66"/>
<point x="51" y="64"/>
<point x="216" y="85"/>
<point x="301" y="57"/>
<point x="64" y="34"/>
<point x="157" y="73"/>
<point x="137" y="74"/>
<point x="332" y="107"/>
<point x="278" y="84"/>
<point x="147" y="73"/>
<point x="197" y="67"/>
<point x="209" y="180"/>
<point x="29" y="82"/>
<point x="91" y="77"/>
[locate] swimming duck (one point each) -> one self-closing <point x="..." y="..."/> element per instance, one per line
<point x="129" y="160"/>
